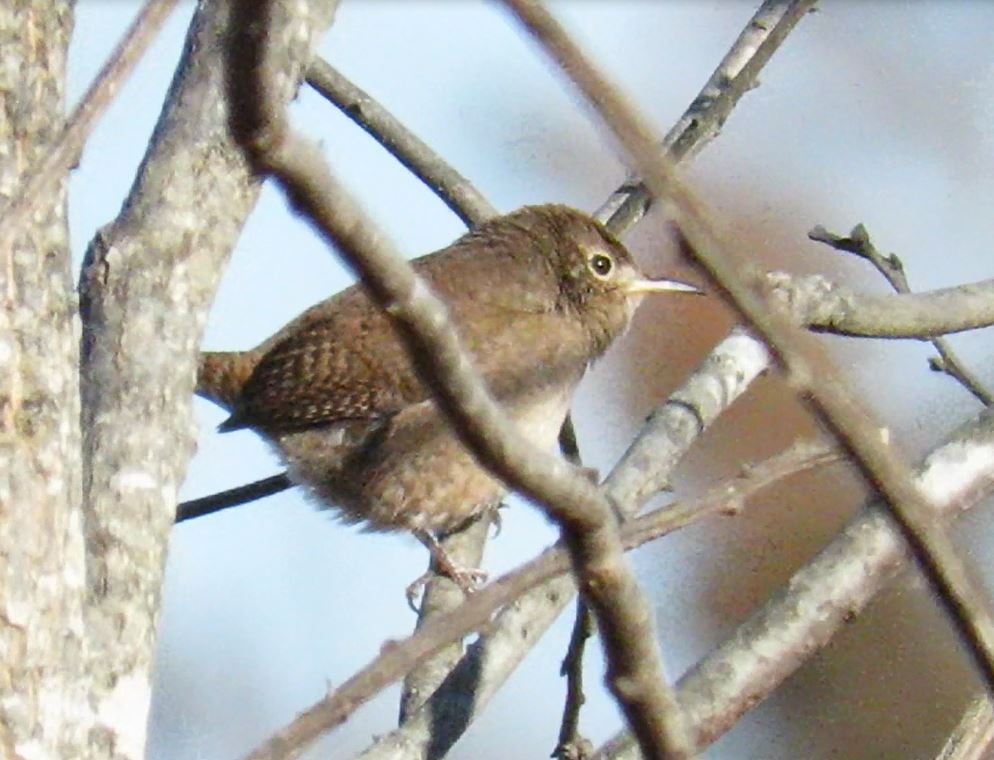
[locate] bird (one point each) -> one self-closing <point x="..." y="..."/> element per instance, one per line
<point x="535" y="296"/>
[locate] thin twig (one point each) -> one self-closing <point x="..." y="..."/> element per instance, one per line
<point x="65" y="153"/>
<point x="890" y="266"/>
<point x="215" y="502"/>
<point x="805" y="360"/>
<point x="736" y="75"/>
<point x="571" y="746"/>
<point x="585" y="517"/>
<point x="455" y="190"/>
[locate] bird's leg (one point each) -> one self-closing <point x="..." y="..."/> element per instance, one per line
<point x="467" y="578"/>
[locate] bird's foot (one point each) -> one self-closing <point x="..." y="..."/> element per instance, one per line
<point x="468" y="579"/>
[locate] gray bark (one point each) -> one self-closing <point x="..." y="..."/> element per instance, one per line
<point x="95" y="435"/>
<point x="41" y="545"/>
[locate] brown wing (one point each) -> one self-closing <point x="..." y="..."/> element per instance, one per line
<point x="341" y="360"/>
<point x="338" y="361"/>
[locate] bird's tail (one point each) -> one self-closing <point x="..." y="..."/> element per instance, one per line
<point x="222" y="375"/>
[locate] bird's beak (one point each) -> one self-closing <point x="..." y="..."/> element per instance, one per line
<point x="640" y="286"/>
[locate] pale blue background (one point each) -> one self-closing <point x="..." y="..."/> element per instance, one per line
<point x="872" y="112"/>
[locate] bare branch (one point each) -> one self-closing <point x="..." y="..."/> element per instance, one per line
<point x="215" y="502"/>
<point x="823" y="596"/>
<point x="571" y="746"/>
<point x="672" y="429"/>
<point x="466" y="547"/>
<point x="892" y="269"/>
<point x="583" y="514"/>
<point x="476" y="612"/>
<point x="64" y="154"/>
<point x="735" y="76"/>
<point x="804" y="359"/>
<point x="816" y="302"/>
<point x="441" y="178"/>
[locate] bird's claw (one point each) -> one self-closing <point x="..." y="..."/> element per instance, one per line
<point x="468" y="579"/>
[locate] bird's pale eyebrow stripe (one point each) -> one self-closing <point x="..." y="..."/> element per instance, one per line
<point x="589" y="251"/>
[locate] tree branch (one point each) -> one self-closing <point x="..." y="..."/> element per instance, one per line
<point x="584" y="516"/>
<point x="147" y="283"/>
<point x="824" y="595"/>
<point x="736" y="74"/>
<point x="816" y="302"/>
<point x="456" y="191"/>
<point x="892" y="269"/>
<point x="804" y="360"/>
<point x="215" y="502"/>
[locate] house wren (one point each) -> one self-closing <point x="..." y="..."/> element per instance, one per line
<point x="535" y="296"/>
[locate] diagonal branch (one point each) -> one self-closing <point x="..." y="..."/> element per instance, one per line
<point x="735" y="76"/>
<point x="583" y="514"/>
<point x="824" y="596"/>
<point x="454" y="189"/>
<point x="804" y="360"/>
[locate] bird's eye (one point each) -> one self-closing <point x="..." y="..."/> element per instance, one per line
<point x="601" y="265"/>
